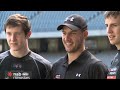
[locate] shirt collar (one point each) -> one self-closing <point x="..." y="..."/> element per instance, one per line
<point x="81" y="59"/>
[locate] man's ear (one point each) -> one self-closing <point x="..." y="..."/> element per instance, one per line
<point x="85" y="34"/>
<point x="28" y="34"/>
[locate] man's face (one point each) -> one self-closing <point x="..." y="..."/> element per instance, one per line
<point x="113" y="30"/>
<point x="16" y="38"/>
<point x="73" y="40"/>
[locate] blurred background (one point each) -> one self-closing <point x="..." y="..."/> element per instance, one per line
<point x="46" y="40"/>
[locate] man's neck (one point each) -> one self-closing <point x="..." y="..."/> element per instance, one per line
<point x="20" y="54"/>
<point x="74" y="56"/>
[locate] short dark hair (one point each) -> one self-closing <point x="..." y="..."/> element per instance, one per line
<point x="18" y="20"/>
<point x="111" y="13"/>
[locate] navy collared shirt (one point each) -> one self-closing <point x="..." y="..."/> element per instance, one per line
<point x="86" y="66"/>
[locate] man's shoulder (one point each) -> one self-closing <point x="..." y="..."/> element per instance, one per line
<point x="92" y="57"/>
<point x="94" y="61"/>
<point x="60" y="61"/>
<point x="4" y="54"/>
<point x="39" y="58"/>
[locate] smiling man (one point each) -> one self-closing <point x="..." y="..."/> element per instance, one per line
<point x="78" y="63"/>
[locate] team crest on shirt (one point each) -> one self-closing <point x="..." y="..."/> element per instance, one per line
<point x="17" y="66"/>
<point x="57" y="76"/>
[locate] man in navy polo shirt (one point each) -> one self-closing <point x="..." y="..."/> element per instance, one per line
<point x="78" y="63"/>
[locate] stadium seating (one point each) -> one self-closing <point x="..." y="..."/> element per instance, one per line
<point x="47" y="21"/>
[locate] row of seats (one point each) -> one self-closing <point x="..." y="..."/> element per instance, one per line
<point x="47" y="21"/>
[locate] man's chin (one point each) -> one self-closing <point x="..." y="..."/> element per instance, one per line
<point x="69" y="51"/>
<point x="14" y="49"/>
<point x="112" y="43"/>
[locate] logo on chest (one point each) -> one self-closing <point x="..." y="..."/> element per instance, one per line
<point x="78" y="75"/>
<point x="112" y="73"/>
<point x="57" y="76"/>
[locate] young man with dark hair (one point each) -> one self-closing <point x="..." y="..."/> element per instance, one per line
<point x="20" y="62"/>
